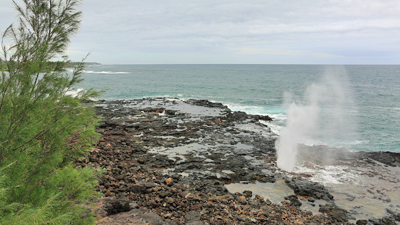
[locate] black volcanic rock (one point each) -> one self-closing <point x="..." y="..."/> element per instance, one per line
<point x="308" y="188"/>
<point x="199" y="147"/>
<point x="388" y="158"/>
<point x="115" y="205"/>
<point x="340" y="215"/>
<point x="294" y="200"/>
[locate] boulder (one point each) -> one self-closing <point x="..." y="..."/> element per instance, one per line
<point x="308" y="188"/>
<point x="336" y="213"/>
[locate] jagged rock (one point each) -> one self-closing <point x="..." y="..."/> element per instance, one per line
<point x="206" y="103"/>
<point x="311" y="199"/>
<point x="152" y="218"/>
<point x="237" y="116"/>
<point x="248" y="193"/>
<point x="262" y="117"/>
<point x="210" y="152"/>
<point x="169" y="181"/>
<point x="115" y="205"/>
<point x="142" y="187"/>
<point x="308" y="188"/>
<point x="388" y="158"/>
<point x="340" y="215"/>
<point x="242" y="200"/>
<point x="294" y="200"/>
<point x="362" y="222"/>
<point x="395" y="215"/>
<point x="192" y="217"/>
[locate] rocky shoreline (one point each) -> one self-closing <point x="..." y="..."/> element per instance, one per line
<point x="169" y="161"/>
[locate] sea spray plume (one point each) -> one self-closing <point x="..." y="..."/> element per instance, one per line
<point x="301" y="120"/>
<point x="320" y="118"/>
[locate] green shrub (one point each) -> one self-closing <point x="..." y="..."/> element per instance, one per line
<point x="42" y="128"/>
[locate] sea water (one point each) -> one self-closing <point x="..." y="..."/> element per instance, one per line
<point x="264" y="89"/>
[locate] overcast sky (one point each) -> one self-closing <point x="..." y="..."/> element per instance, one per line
<point x="251" y="31"/>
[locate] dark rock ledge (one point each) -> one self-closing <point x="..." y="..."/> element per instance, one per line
<point x="167" y="162"/>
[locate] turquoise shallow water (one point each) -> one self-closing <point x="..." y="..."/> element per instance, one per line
<point x="374" y="111"/>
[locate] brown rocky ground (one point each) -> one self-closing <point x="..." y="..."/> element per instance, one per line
<point x="146" y="183"/>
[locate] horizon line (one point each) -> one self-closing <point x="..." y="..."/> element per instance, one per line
<point x="311" y="64"/>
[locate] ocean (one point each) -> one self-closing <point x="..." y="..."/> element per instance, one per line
<point x="352" y="106"/>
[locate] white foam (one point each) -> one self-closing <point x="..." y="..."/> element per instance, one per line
<point x="274" y="128"/>
<point x="279" y="117"/>
<point x="330" y="174"/>
<point x="75" y="92"/>
<point x="278" y="114"/>
<point x="257" y="110"/>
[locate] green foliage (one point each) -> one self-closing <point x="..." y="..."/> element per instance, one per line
<point x="52" y="206"/>
<point x="2" y="67"/>
<point x="42" y="128"/>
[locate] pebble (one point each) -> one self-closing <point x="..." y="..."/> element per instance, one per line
<point x="169" y="181"/>
<point x="242" y="200"/>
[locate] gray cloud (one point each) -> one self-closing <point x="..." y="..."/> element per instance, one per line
<point x="156" y="31"/>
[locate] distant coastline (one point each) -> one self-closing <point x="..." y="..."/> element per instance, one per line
<point x="72" y="64"/>
<point x="92" y="64"/>
<point x="3" y="66"/>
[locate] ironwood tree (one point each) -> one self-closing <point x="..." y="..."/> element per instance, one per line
<point x="43" y="128"/>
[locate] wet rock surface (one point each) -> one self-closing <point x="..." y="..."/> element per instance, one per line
<point x="168" y="161"/>
<point x="334" y="211"/>
<point x="307" y="188"/>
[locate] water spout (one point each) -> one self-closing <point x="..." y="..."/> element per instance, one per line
<point x="320" y="117"/>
